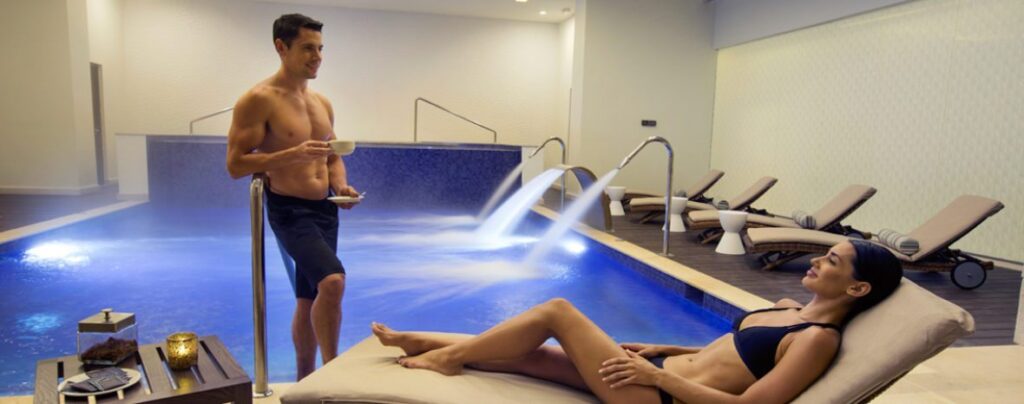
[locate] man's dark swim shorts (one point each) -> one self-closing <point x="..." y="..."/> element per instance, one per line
<point x="309" y="232"/>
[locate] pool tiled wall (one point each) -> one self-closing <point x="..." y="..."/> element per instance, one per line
<point x="192" y="172"/>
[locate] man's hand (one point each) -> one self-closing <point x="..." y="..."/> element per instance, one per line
<point x="346" y="190"/>
<point x="309" y="150"/>
<point x="634" y="369"/>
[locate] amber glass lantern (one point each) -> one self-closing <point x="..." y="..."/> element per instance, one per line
<point x="182" y="350"/>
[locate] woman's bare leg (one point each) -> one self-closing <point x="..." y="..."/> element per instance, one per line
<point x="546" y="362"/>
<point x="586" y="345"/>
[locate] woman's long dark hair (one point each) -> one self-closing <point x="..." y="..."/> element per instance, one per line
<point x="876" y="265"/>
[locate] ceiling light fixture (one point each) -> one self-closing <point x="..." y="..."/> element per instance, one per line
<point x="542" y="12"/>
<point x="522" y="1"/>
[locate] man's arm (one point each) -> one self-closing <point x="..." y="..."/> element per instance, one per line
<point x="249" y="128"/>
<point x="337" y="174"/>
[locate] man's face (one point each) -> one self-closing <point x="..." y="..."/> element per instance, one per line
<point x="303" y="57"/>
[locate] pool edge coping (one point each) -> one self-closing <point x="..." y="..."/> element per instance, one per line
<point x="51" y="224"/>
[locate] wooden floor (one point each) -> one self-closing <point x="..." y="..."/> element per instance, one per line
<point x="22" y="210"/>
<point x="993" y="305"/>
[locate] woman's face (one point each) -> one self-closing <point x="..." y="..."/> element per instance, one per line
<point x="831" y="275"/>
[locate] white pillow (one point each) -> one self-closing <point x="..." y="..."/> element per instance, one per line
<point x="898" y="241"/>
<point x="804" y="220"/>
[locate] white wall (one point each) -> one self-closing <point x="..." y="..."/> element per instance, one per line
<point x="921" y="100"/>
<point x="739" y="21"/>
<point x="106" y="48"/>
<point x="184" y="59"/>
<point x="45" y="112"/>
<point x="649" y="59"/>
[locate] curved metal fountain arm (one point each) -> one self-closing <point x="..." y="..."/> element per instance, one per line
<point x="545" y="143"/>
<point x="416" y="119"/>
<point x="668" y="186"/>
<point x="561" y="142"/>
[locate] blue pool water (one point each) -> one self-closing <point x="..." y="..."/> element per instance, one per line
<point x="189" y="269"/>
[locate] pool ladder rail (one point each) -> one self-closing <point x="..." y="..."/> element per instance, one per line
<point x="416" y="119"/>
<point x="192" y="123"/>
<point x="259" y="288"/>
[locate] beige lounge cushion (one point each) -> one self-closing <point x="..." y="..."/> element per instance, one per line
<point x="787" y="235"/>
<point x="367" y="373"/>
<point x="709" y="219"/>
<point x="887" y="341"/>
<point x="751" y="194"/>
<point x="878" y="346"/>
<point x="843" y="204"/>
<point x="655" y="203"/>
<point x="953" y="222"/>
<point x="702" y="185"/>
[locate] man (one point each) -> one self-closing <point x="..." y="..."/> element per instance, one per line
<point x="281" y="128"/>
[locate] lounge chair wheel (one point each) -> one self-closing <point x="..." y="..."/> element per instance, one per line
<point x="968" y="275"/>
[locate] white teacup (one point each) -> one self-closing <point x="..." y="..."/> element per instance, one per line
<point x="342" y="147"/>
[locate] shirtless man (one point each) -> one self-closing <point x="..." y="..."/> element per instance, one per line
<point x="281" y="128"/>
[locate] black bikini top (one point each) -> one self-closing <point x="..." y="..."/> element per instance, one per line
<point x="757" y="345"/>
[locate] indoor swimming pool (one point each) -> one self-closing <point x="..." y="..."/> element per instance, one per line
<point x="189" y="269"/>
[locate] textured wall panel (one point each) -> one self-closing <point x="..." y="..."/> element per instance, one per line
<point x="923" y="101"/>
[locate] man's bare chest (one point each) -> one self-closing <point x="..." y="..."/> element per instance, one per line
<point x="293" y="122"/>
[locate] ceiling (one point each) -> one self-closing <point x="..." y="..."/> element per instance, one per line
<point x="501" y="9"/>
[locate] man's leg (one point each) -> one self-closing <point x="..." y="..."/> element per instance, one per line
<point x="327" y="314"/>
<point x="303" y="338"/>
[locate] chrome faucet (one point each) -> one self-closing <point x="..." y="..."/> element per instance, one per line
<point x="561" y="206"/>
<point x="668" y="186"/>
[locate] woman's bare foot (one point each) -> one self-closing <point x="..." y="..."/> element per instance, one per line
<point x="435" y="360"/>
<point x="405" y="340"/>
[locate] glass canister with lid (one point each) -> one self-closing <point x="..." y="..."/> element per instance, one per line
<point x="107" y="338"/>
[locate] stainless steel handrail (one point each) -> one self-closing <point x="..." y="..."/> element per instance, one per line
<point x="416" y="119"/>
<point x="668" y="187"/>
<point x="259" y="288"/>
<point x="561" y="206"/>
<point x="192" y="123"/>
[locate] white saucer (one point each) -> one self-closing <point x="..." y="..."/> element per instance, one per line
<point x="133" y="377"/>
<point x="345" y="199"/>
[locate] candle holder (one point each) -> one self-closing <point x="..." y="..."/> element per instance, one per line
<point x="182" y="350"/>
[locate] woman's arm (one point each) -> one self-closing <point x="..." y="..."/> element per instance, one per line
<point x="804" y="361"/>
<point x="652" y="350"/>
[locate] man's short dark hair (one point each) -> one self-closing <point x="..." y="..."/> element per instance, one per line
<point x="286" y="27"/>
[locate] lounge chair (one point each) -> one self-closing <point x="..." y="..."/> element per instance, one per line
<point x="652" y="208"/>
<point x="934" y="237"/>
<point x="879" y="346"/>
<point x="825" y="219"/>
<point x="695" y="192"/>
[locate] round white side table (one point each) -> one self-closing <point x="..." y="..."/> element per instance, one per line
<point x="732" y="222"/>
<point x="616" y="194"/>
<point x="675" y="216"/>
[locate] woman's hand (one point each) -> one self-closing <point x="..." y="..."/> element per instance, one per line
<point x="644" y="350"/>
<point x="633" y="369"/>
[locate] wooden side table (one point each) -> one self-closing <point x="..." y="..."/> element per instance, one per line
<point x="216" y="378"/>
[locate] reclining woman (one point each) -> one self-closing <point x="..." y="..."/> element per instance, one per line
<point x="772" y="355"/>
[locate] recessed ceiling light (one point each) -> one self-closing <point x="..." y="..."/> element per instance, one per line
<point x="522" y="1"/>
<point x="542" y="12"/>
